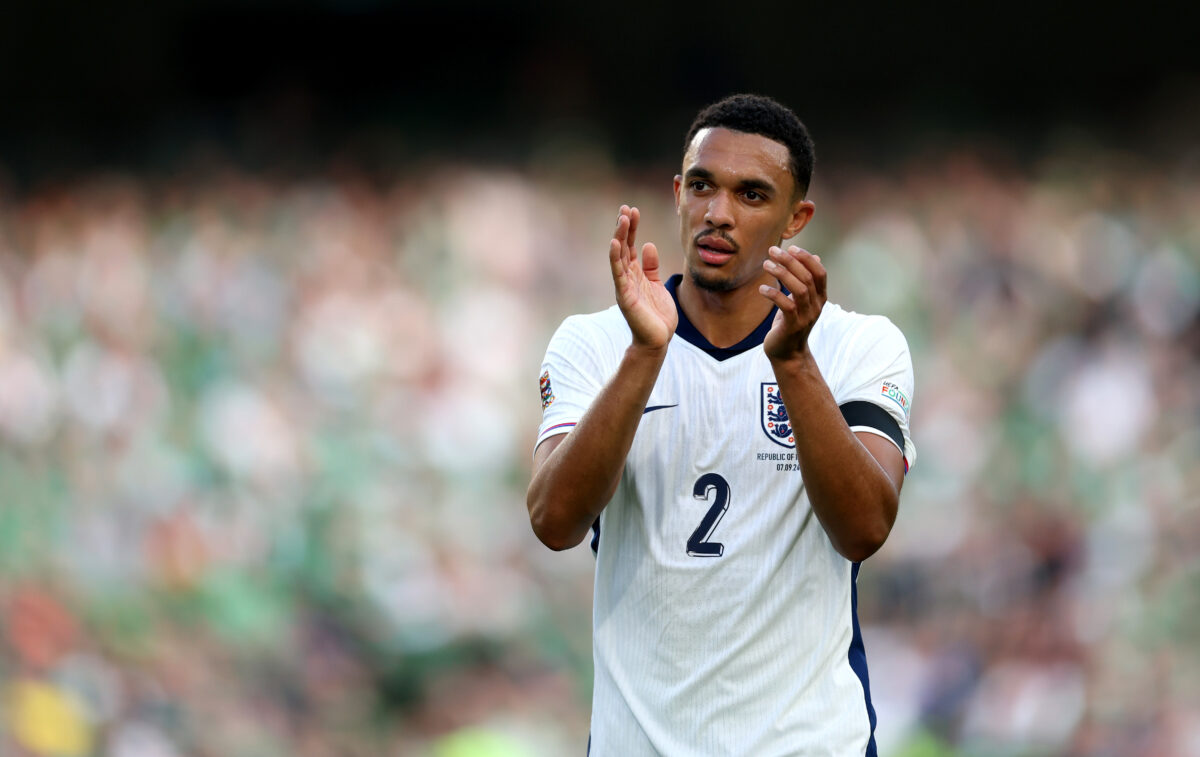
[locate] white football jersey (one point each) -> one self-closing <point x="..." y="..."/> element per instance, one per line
<point x="724" y="620"/>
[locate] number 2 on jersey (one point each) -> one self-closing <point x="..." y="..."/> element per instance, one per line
<point x="698" y="545"/>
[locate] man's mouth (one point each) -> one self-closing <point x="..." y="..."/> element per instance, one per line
<point x="715" y="250"/>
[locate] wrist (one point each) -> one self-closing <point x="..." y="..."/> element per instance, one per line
<point x="646" y="352"/>
<point x="800" y="364"/>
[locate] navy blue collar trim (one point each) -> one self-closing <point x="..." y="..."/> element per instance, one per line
<point x="688" y="332"/>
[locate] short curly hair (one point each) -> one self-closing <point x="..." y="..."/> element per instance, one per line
<point x="758" y="114"/>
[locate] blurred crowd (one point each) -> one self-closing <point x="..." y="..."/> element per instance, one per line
<point x="264" y="445"/>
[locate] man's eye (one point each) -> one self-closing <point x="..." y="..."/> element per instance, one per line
<point x="699" y="186"/>
<point x="753" y="196"/>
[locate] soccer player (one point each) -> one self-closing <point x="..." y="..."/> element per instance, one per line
<point x="736" y="445"/>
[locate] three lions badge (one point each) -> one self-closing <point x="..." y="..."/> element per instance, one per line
<point x="773" y="417"/>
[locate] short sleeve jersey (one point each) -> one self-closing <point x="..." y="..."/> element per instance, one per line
<point x="724" y="620"/>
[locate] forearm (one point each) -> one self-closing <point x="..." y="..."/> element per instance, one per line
<point x="571" y="485"/>
<point x="851" y="494"/>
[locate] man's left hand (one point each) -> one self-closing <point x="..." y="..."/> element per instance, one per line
<point x="802" y="274"/>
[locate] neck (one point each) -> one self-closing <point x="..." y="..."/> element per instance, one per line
<point x="725" y="318"/>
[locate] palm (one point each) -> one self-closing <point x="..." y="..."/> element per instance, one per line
<point x="784" y="339"/>
<point x="646" y="304"/>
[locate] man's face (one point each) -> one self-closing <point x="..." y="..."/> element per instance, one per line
<point x="734" y="200"/>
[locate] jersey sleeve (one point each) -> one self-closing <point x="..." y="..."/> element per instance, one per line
<point x="880" y="373"/>
<point x="576" y="366"/>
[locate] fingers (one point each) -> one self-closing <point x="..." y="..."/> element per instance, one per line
<point x="650" y="261"/>
<point x="782" y="301"/>
<point x="621" y="234"/>
<point x="618" y="250"/>
<point x="615" y="261"/>
<point x="791" y="273"/>
<point x="626" y="231"/>
<point x="621" y="251"/>
<point x="820" y="275"/>
<point x="799" y="271"/>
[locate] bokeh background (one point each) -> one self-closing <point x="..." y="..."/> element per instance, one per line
<point x="276" y="279"/>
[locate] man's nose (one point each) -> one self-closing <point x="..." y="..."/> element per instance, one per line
<point x="719" y="212"/>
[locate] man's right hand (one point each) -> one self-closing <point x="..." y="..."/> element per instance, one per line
<point x="646" y="304"/>
<point x="576" y="474"/>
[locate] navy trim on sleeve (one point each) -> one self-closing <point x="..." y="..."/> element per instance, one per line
<point x="861" y="413"/>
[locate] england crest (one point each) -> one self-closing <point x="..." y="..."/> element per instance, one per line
<point x="774" y="418"/>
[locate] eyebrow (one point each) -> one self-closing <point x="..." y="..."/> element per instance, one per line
<point x="760" y="185"/>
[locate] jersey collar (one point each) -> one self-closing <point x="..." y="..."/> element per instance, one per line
<point x="689" y="333"/>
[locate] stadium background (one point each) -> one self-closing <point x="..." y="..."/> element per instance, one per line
<point x="275" y="280"/>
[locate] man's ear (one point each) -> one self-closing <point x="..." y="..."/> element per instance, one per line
<point x="802" y="213"/>
<point x="678" y="186"/>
